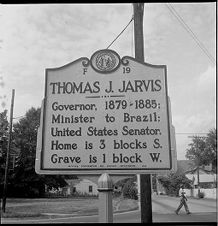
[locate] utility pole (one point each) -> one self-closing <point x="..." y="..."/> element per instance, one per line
<point x="8" y="153"/>
<point x="145" y="179"/>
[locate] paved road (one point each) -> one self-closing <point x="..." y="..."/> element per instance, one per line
<point x="203" y="210"/>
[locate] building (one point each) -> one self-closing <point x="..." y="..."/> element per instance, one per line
<point x="207" y="183"/>
<point x="81" y="187"/>
<point x="207" y="179"/>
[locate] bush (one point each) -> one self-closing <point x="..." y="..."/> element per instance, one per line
<point x="130" y="191"/>
<point x="172" y="183"/>
<point x="201" y="195"/>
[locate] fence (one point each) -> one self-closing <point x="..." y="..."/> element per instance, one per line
<point x="208" y="192"/>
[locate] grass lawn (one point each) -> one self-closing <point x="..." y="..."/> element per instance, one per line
<point x="50" y="207"/>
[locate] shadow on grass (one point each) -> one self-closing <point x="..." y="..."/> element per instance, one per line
<point x="9" y="214"/>
<point x="57" y="208"/>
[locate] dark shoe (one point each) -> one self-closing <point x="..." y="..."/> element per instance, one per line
<point x="188" y="212"/>
<point x="176" y="212"/>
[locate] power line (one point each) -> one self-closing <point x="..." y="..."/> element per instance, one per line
<point x="189" y="30"/>
<point x="132" y="39"/>
<point x="121" y="32"/>
<point x="189" y="133"/>
<point x="19" y="117"/>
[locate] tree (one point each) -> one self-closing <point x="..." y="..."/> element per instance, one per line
<point x="196" y="151"/>
<point x="3" y="144"/>
<point x="26" y="182"/>
<point x="173" y="181"/>
<point x="3" y="134"/>
<point x="129" y="188"/>
<point x="202" y="151"/>
<point x="211" y="149"/>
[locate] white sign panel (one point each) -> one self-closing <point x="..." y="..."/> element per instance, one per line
<point x="105" y="114"/>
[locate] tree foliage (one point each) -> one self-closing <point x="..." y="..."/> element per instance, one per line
<point x="4" y="124"/>
<point x="173" y="181"/>
<point x="202" y="150"/>
<point x="25" y="138"/>
<point x="196" y="151"/>
<point x="211" y="148"/>
<point x="24" y="181"/>
<point x="129" y="188"/>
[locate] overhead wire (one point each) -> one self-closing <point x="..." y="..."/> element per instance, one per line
<point x="184" y="25"/>
<point x="189" y="133"/>
<point x="189" y="30"/>
<point x="132" y="39"/>
<point x="121" y="32"/>
<point x="19" y="117"/>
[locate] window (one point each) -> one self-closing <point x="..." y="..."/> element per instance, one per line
<point x="90" y="188"/>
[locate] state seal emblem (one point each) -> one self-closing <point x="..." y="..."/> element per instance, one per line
<point x="105" y="61"/>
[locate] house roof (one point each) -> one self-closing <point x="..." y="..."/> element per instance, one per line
<point x="186" y="166"/>
<point x="72" y="182"/>
<point x="202" y="177"/>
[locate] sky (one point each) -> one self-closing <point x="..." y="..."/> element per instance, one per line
<point x="40" y="36"/>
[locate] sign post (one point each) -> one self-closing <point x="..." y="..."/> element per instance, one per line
<point x="105" y="188"/>
<point x="144" y="180"/>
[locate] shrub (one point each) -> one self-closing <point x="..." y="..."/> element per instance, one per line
<point x="130" y="191"/>
<point x="172" y="183"/>
<point x="201" y="195"/>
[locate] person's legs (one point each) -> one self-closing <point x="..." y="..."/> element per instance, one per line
<point x="186" y="208"/>
<point x="179" y="207"/>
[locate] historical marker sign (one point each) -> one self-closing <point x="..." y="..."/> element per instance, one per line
<point x="105" y="114"/>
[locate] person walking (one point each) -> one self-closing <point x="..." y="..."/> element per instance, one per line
<point x="183" y="200"/>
